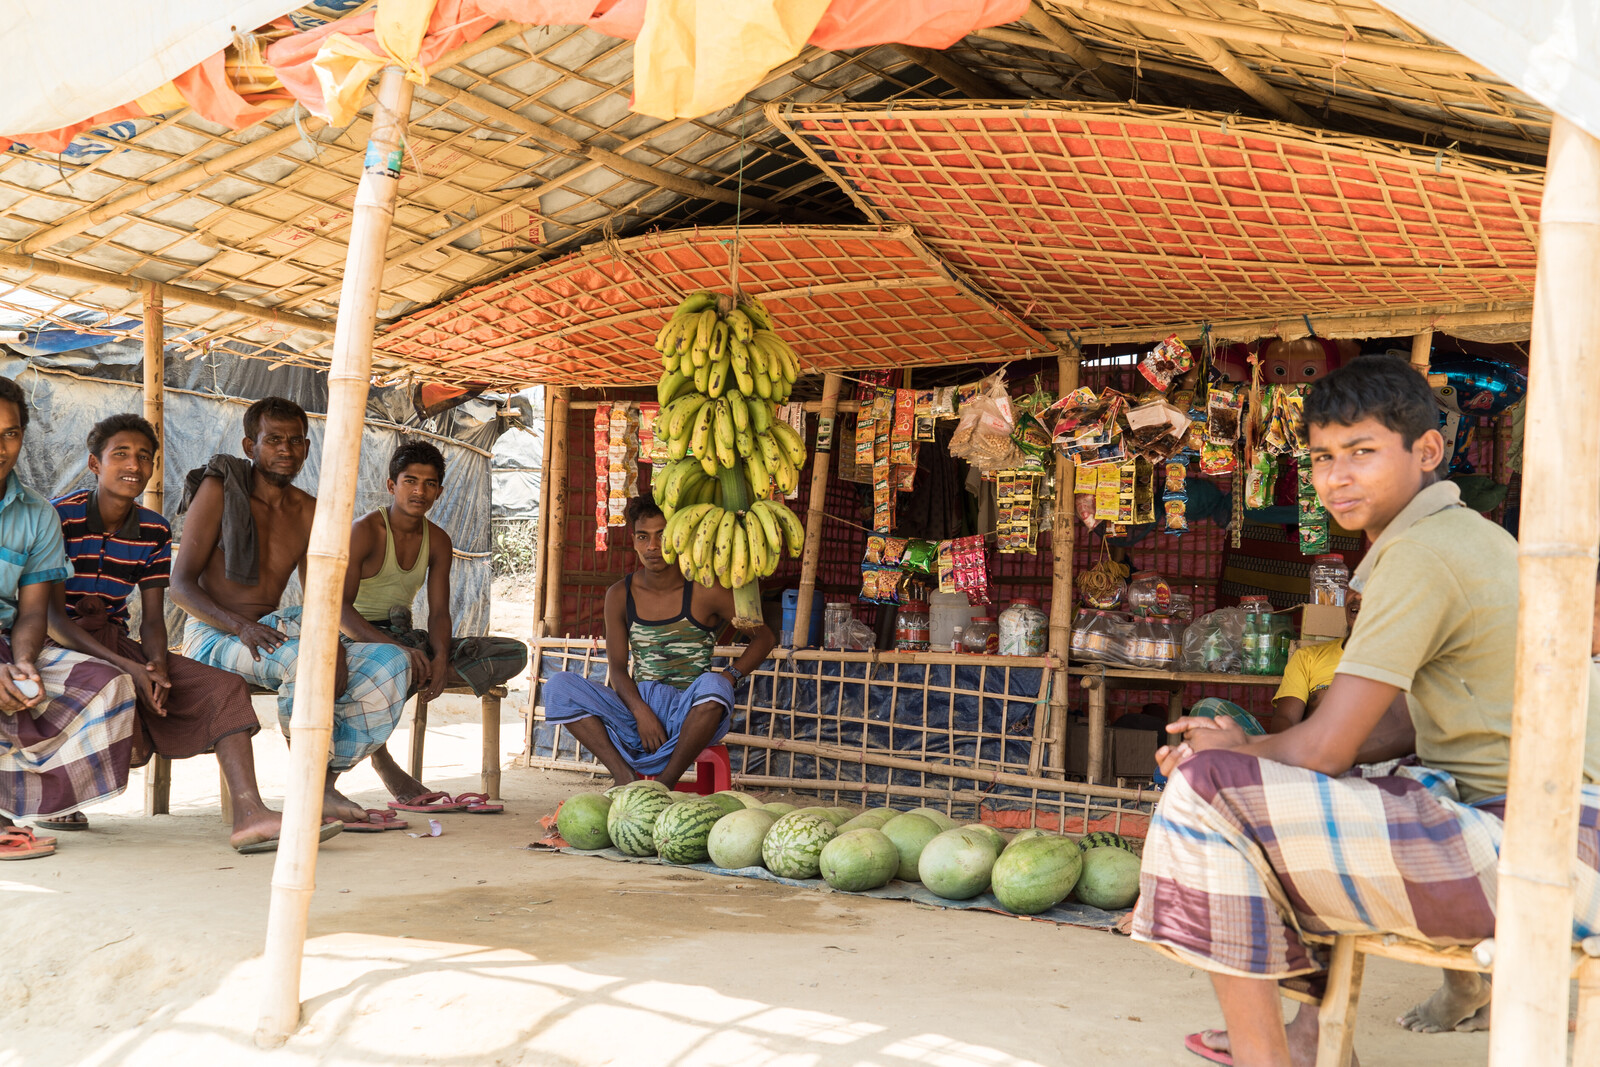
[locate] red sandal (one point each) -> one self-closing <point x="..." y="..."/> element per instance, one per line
<point x="20" y="843"/>
<point x="378" y="820"/>
<point x="478" y="804"/>
<point x="429" y="803"/>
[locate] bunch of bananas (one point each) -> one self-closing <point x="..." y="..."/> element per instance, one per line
<point x="723" y="433"/>
<point x="708" y="352"/>
<point x="711" y="545"/>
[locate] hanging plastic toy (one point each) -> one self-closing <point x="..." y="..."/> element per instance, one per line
<point x="1473" y="387"/>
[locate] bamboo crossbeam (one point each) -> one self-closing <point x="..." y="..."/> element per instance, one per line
<point x="1091" y="61"/>
<point x="1422" y="350"/>
<point x="1556" y="561"/>
<point x="974" y="85"/>
<point x="1288" y="327"/>
<point x="294" y="872"/>
<point x="1238" y="74"/>
<point x="1406" y="57"/>
<point x="821" y="462"/>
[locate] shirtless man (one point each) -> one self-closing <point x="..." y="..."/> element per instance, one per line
<point x="393" y="552"/>
<point x="247" y="530"/>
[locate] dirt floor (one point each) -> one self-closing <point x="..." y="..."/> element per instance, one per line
<point x="139" y="943"/>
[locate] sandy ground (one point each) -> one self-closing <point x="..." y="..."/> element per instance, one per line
<point x="139" y="943"/>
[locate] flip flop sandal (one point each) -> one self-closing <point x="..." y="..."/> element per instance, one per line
<point x="429" y="803"/>
<point x="1195" y="1043"/>
<point x="378" y="820"/>
<point x="329" y="829"/>
<point x="478" y="804"/>
<point x="68" y="825"/>
<point x="19" y="843"/>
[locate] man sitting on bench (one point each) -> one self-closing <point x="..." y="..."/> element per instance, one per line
<point x="248" y="530"/>
<point x="659" y="717"/>
<point x="117" y="547"/>
<point x="1257" y="839"/>
<point x="380" y="585"/>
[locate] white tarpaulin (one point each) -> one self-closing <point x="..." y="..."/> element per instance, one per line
<point x="68" y="61"/>
<point x="1546" y="48"/>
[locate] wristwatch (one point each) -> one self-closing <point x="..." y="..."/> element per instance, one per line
<point x="738" y="675"/>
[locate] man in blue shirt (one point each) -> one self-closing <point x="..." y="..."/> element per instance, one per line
<point x="66" y="720"/>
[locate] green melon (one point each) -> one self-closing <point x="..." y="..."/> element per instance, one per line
<point x="1036" y="873"/>
<point x="778" y="807"/>
<point x="637" y="783"/>
<point x="843" y="813"/>
<point x="910" y="833"/>
<point x="859" y="860"/>
<point x="681" y="830"/>
<point x="831" y="814"/>
<point x="631" y="821"/>
<point x="872" y="819"/>
<point x="937" y="817"/>
<point x="996" y="838"/>
<point x="793" y="847"/>
<point x="1110" y="878"/>
<point x="582" y="821"/>
<point x="735" y="840"/>
<point x="728" y="804"/>
<point x="956" y="863"/>
<point x="1103" y="838"/>
<point x="744" y="799"/>
<point x="1029" y="834"/>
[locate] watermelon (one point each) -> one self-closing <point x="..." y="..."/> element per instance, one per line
<point x="631" y="821"/>
<point x="843" y="814"/>
<point x="1028" y="835"/>
<point x="637" y="783"/>
<point x="745" y="799"/>
<point x="681" y="830"/>
<point x="872" y="819"/>
<point x="778" y="807"/>
<point x="833" y="815"/>
<point x="937" y="817"/>
<point x="735" y="840"/>
<point x="727" y="804"/>
<point x="996" y="838"/>
<point x="910" y="833"/>
<point x="1103" y="838"/>
<point x="859" y="860"/>
<point x="1110" y="878"/>
<point x="793" y="847"/>
<point x="582" y="821"/>
<point x="956" y="863"/>
<point x="1035" y="874"/>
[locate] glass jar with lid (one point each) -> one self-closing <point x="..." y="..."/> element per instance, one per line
<point x="981" y="637"/>
<point x="1023" y="628"/>
<point x="1330" y="580"/>
<point x="835" y="617"/>
<point x="911" y="627"/>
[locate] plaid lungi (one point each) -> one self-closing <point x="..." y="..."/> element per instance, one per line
<point x="1244" y="854"/>
<point x="568" y="696"/>
<point x="364" y="715"/>
<point x="76" y="750"/>
<point x="482" y="662"/>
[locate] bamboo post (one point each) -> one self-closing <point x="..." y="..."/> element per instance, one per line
<point x="1063" y="544"/>
<point x="294" y="872"/>
<point x="489" y="780"/>
<point x="821" y="462"/>
<point x="158" y="772"/>
<point x="1422" y="351"/>
<point x="555" y="496"/>
<point x="1556" y="575"/>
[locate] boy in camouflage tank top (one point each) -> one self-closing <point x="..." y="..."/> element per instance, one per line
<point x="656" y="717"/>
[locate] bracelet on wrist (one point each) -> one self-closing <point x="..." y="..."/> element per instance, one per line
<point x="738" y="675"/>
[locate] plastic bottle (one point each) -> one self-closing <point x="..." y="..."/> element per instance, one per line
<point x="1023" y="629"/>
<point x="955" y="639"/>
<point x="911" y="627"/>
<point x="1257" y="655"/>
<point x="981" y="637"/>
<point x="835" y="618"/>
<point x="1330" y="580"/>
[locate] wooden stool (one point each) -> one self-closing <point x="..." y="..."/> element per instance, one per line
<point x="1337" y="1013"/>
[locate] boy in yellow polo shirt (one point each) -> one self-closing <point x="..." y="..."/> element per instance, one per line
<point x="1310" y="672"/>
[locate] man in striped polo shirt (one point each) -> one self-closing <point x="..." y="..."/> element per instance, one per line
<point x="118" y="547"/>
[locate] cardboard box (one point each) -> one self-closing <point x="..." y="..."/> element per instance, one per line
<point x="1322" y="622"/>
<point x="1133" y="752"/>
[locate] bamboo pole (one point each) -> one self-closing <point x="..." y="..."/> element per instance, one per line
<point x="1289" y="327"/>
<point x="544" y="515"/>
<point x="555" y="478"/>
<point x="969" y="82"/>
<point x="158" y="773"/>
<point x="1556" y="575"/>
<point x="1238" y="74"/>
<point x="1063" y="544"/>
<point x="1422" y="351"/>
<point x="1092" y="62"/>
<point x="821" y="462"/>
<point x="293" y="874"/>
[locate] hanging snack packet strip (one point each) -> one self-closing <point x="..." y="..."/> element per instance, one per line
<point x="602" y="474"/>
<point x="1165" y="362"/>
<point x="1175" y="496"/>
<point x="1313" y="517"/>
<point x="947" y="567"/>
<point x="1261" y="480"/>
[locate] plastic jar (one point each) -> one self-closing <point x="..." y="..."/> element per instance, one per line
<point x="911" y="627"/>
<point x="1157" y="643"/>
<point x="1023" y="629"/>
<point x="981" y="637"/>
<point x="1149" y="594"/>
<point x="1330" y="580"/>
<point x="1094" y="632"/>
<point x="835" y="618"/>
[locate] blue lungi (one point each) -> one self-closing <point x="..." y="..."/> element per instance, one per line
<point x="569" y="696"/>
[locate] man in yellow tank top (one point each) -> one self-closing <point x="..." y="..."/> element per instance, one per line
<point x="394" y="551"/>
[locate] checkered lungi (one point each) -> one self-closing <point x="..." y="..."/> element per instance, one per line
<point x="568" y="696"/>
<point x="1244" y="854"/>
<point x="72" y="749"/>
<point x="482" y="662"/>
<point x="364" y="715"/>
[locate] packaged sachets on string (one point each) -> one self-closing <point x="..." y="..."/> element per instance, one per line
<point x="971" y="569"/>
<point x="1261" y="480"/>
<point x="602" y="474"/>
<point x="1313" y="516"/>
<point x="1165" y="362"/>
<point x="1175" y="496"/>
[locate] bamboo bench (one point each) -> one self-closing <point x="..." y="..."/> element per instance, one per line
<point x="1336" y="1013"/>
<point x="158" y="772"/>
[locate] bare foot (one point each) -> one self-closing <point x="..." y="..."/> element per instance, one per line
<point x="1478" y="1020"/>
<point x="1456" y="1001"/>
<point x="335" y="805"/>
<point x="261" y="824"/>
<point x="400" y="785"/>
<point x="1302" y="1032"/>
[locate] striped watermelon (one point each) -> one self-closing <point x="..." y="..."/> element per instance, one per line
<point x="1103" y="839"/>
<point x="681" y="830"/>
<point x="631" y="821"/>
<point x="637" y="783"/>
<point x="793" y="847"/>
<point x="728" y="804"/>
<point x="1036" y="873"/>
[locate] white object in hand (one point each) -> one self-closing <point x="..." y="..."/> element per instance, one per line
<point x="27" y="688"/>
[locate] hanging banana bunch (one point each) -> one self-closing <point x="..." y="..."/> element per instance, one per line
<point x="724" y="371"/>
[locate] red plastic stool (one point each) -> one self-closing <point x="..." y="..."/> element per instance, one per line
<point x="712" y="773"/>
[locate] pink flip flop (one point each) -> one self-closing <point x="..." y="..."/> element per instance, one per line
<point x="378" y="820"/>
<point x="430" y="803"/>
<point x="1195" y="1043"/>
<point x="19" y="843"/>
<point x="478" y="804"/>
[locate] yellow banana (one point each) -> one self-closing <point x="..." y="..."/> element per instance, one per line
<point x="794" y="533"/>
<point x="771" y="451"/>
<point x="738" y="409"/>
<point x="744" y="380"/>
<point x="678" y="447"/>
<point x="702" y="379"/>
<point x="705" y="534"/>
<point x="683" y="411"/>
<point x="708" y="463"/>
<point x="722" y="545"/>
<point x="784" y="476"/>
<point x="743" y="442"/>
<point x="666" y="551"/>
<point x="739" y="558"/>
<point x="704" y="333"/>
<point x="769" y="524"/>
<point x="757" y="312"/>
<point x="700" y="438"/>
<point x="683" y="525"/>
<point x="717" y="379"/>
<point x="670" y="360"/>
<point x="726" y="456"/>
<point x="740" y="323"/>
<point x="706" y="576"/>
<point x="724" y="423"/>
<point x="711" y="491"/>
<point x="760" y="479"/>
<point x="739" y="353"/>
<point x="756" y="543"/>
<point x="671" y="386"/>
<point x="760" y="414"/>
<point x="762" y="383"/>
<point x="686" y="565"/>
<point x="794" y="446"/>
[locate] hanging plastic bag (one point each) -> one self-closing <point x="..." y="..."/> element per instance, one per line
<point x="983" y="436"/>
<point x="1215" y="642"/>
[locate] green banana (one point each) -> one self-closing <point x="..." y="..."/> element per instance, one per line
<point x="704" y="533"/>
<point x="696" y="301"/>
<point x="724" y="423"/>
<point x="794" y="446"/>
<point x="769" y="524"/>
<point x="722" y="545"/>
<point x="763" y="383"/>
<point x="677" y="447"/>
<point x="702" y="379"/>
<point x="743" y="442"/>
<point x="744" y="380"/>
<point x="740" y="323"/>
<point x="760" y="479"/>
<point x="739" y="557"/>
<point x="726" y="456"/>
<point x="760" y="414"/>
<point x="793" y="532"/>
<point x="681" y="416"/>
<point x="670" y="387"/>
<point x="738" y="409"/>
<point x="757" y="313"/>
<point x="739" y="353"/>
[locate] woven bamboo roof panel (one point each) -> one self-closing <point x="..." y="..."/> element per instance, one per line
<point x="846" y="298"/>
<point x="1079" y="215"/>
